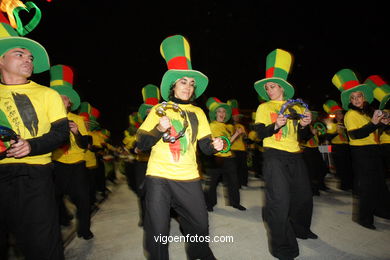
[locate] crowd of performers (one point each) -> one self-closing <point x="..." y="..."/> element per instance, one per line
<point x="52" y="147"/>
<point x="280" y="145"/>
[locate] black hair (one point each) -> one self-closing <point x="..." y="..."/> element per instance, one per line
<point x="171" y="95"/>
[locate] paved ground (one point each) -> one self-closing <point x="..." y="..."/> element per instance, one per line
<point x="117" y="236"/>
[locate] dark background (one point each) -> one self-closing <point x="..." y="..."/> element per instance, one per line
<point x="114" y="46"/>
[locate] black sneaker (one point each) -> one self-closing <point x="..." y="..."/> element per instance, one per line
<point x="86" y="236"/>
<point x="239" y="207"/>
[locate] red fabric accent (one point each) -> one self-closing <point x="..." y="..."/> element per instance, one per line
<point x="350" y="84"/>
<point x="3" y="19"/>
<point x="270" y="72"/>
<point x="67" y="74"/>
<point x="217" y="100"/>
<point x="95" y="112"/>
<point x="179" y="63"/>
<point x="85" y="115"/>
<point x="151" y="101"/>
<point x="377" y="80"/>
<point x="334" y="108"/>
<point x="235" y="111"/>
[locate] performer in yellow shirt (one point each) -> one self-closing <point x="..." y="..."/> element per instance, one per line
<point x="289" y="203"/>
<point x="239" y="146"/>
<point x="39" y="125"/>
<point x="224" y="164"/>
<point x="337" y="135"/>
<point x="362" y="124"/>
<point x="173" y="132"/>
<point x="70" y="174"/>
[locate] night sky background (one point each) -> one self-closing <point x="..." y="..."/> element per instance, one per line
<point x="114" y="46"/>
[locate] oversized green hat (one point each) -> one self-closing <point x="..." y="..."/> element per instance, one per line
<point x="61" y="80"/>
<point x="213" y="104"/>
<point x="9" y="39"/>
<point x="381" y="89"/>
<point x="331" y="106"/>
<point x="347" y="82"/>
<point x="176" y="52"/>
<point x="278" y="67"/>
<point x="151" y="97"/>
<point x="233" y="103"/>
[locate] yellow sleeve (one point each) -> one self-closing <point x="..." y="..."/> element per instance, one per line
<point x="54" y="106"/>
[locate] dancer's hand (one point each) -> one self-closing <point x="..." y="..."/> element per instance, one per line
<point x="217" y="144"/>
<point x="164" y="124"/>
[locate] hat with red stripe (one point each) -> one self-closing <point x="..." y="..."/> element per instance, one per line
<point x="213" y="104"/>
<point x="176" y="52"/>
<point x="61" y="80"/>
<point x="331" y="106"/>
<point x="9" y="39"/>
<point x="381" y="89"/>
<point x="278" y="67"/>
<point x="347" y="82"/>
<point x="233" y="103"/>
<point x="151" y="97"/>
<point x="91" y="115"/>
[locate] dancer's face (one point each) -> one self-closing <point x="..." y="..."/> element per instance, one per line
<point x="184" y="88"/>
<point x="357" y="99"/>
<point x="220" y="114"/>
<point x="274" y="91"/>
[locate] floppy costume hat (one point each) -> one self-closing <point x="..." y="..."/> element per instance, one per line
<point x="213" y="104"/>
<point x="61" y="80"/>
<point x="176" y="52"/>
<point x="278" y="65"/>
<point x="151" y="97"/>
<point x="331" y="106"/>
<point x="9" y="39"/>
<point x="347" y="82"/>
<point x="381" y="89"/>
<point x="91" y="114"/>
<point x="233" y="103"/>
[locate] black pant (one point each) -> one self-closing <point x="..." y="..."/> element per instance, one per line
<point x="72" y="180"/>
<point x="227" y="168"/>
<point x="140" y="171"/>
<point x="28" y="210"/>
<point x="289" y="203"/>
<point x="315" y="166"/>
<point x="341" y="155"/>
<point x="242" y="167"/>
<point x="374" y="196"/>
<point x="186" y="198"/>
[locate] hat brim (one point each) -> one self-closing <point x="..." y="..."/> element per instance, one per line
<point x="169" y="78"/>
<point x="143" y="110"/>
<point x="367" y="91"/>
<point x="41" y="58"/>
<point x="288" y="88"/>
<point x="213" y="112"/>
<point x="70" y="93"/>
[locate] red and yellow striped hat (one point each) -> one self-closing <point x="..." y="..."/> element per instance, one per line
<point x="380" y="88"/>
<point x="176" y="52"/>
<point x="347" y="82"/>
<point x="9" y="39"/>
<point x="278" y="67"/>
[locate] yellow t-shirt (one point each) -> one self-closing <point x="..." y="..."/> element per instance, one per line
<point x="222" y="129"/>
<point x="90" y="157"/>
<point x="177" y="161"/>
<point x="239" y="144"/>
<point x="286" y="138"/>
<point x="354" y="120"/>
<point x="385" y="138"/>
<point x="71" y="152"/>
<point x="29" y="109"/>
<point x="341" y="137"/>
